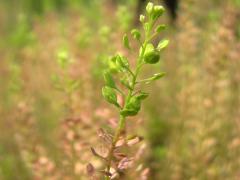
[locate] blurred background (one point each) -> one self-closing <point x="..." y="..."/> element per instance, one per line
<point x="52" y="54"/>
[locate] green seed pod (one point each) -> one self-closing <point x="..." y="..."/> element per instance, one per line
<point x="134" y="103"/>
<point x="136" y="34"/>
<point x="132" y="108"/>
<point x="151" y="57"/>
<point x="110" y="95"/>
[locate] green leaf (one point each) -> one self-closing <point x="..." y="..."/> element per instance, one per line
<point x="126" y="83"/>
<point x="126" y="41"/>
<point x="122" y="62"/>
<point x="110" y="95"/>
<point x="158" y="76"/>
<point x="142" y="95"/>
<point x="155" y="77"/>
<point x="109" y="79"/>
<point x="160" y="28"/>
<point x="162" y="44"/>
<point x="132" y="107"/>
<point x="136" y="34"/>
<point x="128" y="112"/>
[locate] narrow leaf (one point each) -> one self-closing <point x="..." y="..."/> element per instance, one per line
<point x="109" y="79"/>
<point x="110" y="95"/>
<point x="160" y="28"/>
<point x="162" y="44"/>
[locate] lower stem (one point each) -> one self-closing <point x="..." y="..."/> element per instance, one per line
<point x="120" y="129"/>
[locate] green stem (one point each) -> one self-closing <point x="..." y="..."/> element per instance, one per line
<point x="120" y="129"/>
<point x="122" y="121"/>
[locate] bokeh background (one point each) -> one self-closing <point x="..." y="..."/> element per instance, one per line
<point x="50" y="110"/>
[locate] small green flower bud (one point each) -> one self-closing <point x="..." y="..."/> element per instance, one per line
<point x="142" y="18"/>
<point x="149" y="8"/>
<point x="157" y="12"/>
<point x="63" y="59"/>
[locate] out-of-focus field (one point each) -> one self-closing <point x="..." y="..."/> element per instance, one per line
<point x="50" y="111"/>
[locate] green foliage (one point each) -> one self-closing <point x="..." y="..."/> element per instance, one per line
<point x="109" y="80"/>
<point x="136" y="34"/>
<point x="63" y="59"/>
<point x="148" y="54"/>
<point x="15" y="83"/>
<point x="236" y="2"/>
<point x="162" y="44"/>
<point x="124" y="17"/>
<point x="128" y="76"/>
<point x="110" y="95"/>
<point x="126" y="42"/>
<point x="21" y="34"/>
<point x="64" y="82"/>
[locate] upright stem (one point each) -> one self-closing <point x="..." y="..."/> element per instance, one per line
<point x="120" y="129"/>
<point x="121" y="123"/>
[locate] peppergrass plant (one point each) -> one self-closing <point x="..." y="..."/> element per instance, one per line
<point x="128" y="78"/>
